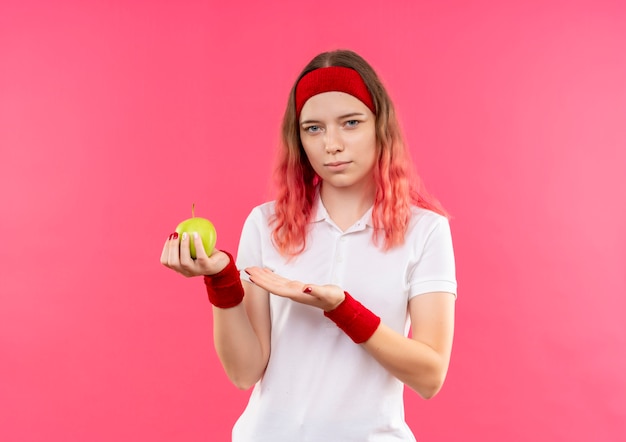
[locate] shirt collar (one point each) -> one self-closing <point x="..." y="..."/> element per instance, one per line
<point x="321" y="214"/>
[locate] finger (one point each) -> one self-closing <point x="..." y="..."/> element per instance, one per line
<point x="186" y="261"/>
<point x="166" y="251"/>
<point x="258" y="276"/>
<point x="328" y="296"/>
<point x="270" y="275"/>
<point x="200" y="252"/>
<point x="265" y="279"/>
<point x="279" y="285"/>
<point x="173" y="258"/>
<point x="253" y="271"/>
<point x="315" y="291"/>
<point x="311" y="291"/>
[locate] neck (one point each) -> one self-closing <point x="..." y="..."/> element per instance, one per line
<point x="346" y="206"/>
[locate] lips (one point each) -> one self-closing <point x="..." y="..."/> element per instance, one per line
<point x="336" y="163"/>
<point x="337" y="166"/>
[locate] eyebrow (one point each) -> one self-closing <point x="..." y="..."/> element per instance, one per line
<point x="341" y="117"/>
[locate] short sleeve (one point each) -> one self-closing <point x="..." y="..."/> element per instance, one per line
<point x="434" y="270"/>
<point x="249" y="253"/>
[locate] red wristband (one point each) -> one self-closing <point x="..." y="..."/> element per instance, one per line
<point x="224" y="288"/>
<point x="356" y="320"/>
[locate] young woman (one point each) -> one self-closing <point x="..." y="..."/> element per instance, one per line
<point x="351" y="254"/>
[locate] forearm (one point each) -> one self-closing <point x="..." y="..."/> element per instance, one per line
<point x="238" y="346"/>
<point x="421" y="362"/>
<point x="414" y="363"/>
<point x="240" y="325"/>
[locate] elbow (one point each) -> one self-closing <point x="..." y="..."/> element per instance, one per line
<point x="243" y="382"/>
<point x="428" y="389"/>
<point x="243" y="385"/>
<point x="243" y="375"/>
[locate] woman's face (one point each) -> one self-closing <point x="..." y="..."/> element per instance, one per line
<point x="338" y="134"/>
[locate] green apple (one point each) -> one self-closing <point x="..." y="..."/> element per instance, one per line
<point x="205" y="229"/>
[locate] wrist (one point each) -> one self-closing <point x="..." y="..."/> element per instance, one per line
<point x="223" y="260"/>
<point x="224" y="288"/>
<point x="356" y="320"/>
<point x="337" y="303"/>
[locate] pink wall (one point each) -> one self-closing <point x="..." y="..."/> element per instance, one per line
<point x="115" y="116"/>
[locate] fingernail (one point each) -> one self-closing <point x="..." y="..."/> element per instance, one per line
<point x="247" y="272"/>
<point x="174" y="235"/>
<point x="307" y="290"/>
<point x="184" y="236"/>
<point x="195" y="235"/>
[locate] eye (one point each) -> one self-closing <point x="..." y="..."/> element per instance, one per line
<point x="352" y="123"/>
<point x="312" y="129"/>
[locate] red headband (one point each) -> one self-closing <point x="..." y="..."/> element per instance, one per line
<point x="332" y="79"/>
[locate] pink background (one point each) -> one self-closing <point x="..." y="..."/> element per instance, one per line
<point x="116" y="115"/>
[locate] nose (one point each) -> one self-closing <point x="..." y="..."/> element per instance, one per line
<point x="333" y="142"/>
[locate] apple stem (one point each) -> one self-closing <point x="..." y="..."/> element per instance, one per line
<point x="193" y="207"/>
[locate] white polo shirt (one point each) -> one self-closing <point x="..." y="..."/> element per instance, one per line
<point x="319" y="385"/>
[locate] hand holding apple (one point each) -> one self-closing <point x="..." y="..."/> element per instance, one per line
<point x="194" y="256"/>
<point x="203" y="227"/>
